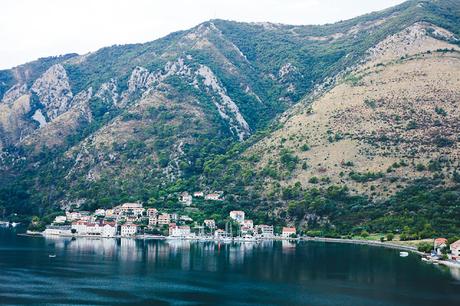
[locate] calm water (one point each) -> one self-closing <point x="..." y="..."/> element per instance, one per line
<point x="131" y="272"/>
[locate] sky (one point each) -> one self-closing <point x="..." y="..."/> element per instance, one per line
<point x="30" y="29"/>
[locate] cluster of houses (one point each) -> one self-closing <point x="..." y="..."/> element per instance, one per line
<point x="131" y="219"/>
<point x="440" y="244"/>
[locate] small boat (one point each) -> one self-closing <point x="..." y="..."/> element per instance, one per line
<point x="403" y="254"/>
<point x="52" y="255"/>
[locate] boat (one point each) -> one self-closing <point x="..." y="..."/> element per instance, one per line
<point x="52" y="255"/>
<point x="4" y="223"/>
<point x="403" y="254"/>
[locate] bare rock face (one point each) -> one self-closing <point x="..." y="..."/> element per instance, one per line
<point x="15" y="93"/>
<point x="53" y="90"/>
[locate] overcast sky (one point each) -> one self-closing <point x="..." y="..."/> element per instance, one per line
<point x="30" y="29"/>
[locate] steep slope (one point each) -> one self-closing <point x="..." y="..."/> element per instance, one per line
<point x="140" y="121"/>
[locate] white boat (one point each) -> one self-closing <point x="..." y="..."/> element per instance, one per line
<point x="403" y="254"/>
<point x="52" y="255"/>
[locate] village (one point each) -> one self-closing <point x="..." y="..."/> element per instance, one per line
<point x="135" y="221"/>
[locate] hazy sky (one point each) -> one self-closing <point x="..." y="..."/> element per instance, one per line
<point x="30" y="29"/>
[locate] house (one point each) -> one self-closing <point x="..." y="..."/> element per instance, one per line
<point x="248" y="223"/>
<point x="164" y="219"/>
<point x="80" y="227"/>
<point x="439" y="244"/>
<point x="60" y="219"/>
<point x="152" y="212"/>
<point x="288" y="232"/>
<point x="72" y="216"/>
<point x="129" y="229"/>
<point x="153" y="221"/>
<point x="185" y="198"/>
<point x="185" y="219"/>
<point x="57" y="230"/>
<point x="100" y="212"/>
<point x="210" y="223"/>
<point x="213" y="197"/>
<point x="237" y="215"/>
<point x="179" y="231"/>
<point x="135" y="209"/>
<point x="220" y="234"/>
<point x="109" y="229"/>
<point x="264" y="231"/>
<point x="455" y="250"/>
<point x="109" y="212"/>
<point x="198" y="194"/>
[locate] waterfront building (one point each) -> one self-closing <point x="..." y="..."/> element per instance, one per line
<point x="129" y="229"/>
<point x="220" y="234"/>
<point x="180" y="231"/>
<point x="439" y="244"/>
<point x="109" y="229"/>
<point x="57" y="230"/>
<point x="264" y="231"/>
<point x="135" y="209"/>
<point x="455" y="250"/>
<point x="288" y="232"/>
<point x="248" y="224"/>
<point x="153" y="221"/>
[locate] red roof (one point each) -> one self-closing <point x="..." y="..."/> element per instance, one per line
<point x="455" y="245"/>
<point x="289" y="229"/>
<point x="440" y="241"/>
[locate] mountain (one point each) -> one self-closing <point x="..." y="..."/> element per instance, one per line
<point x="272" y="114"/>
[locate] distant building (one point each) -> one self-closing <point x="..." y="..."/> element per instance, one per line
<point x="180" y="231"/>
<point x="219" y="234"/>
<point x="288" y="232"/>
<point x="237" y="215"/>
<point x="152" y="212"/>
<point x="198" y="194"/>
<point x="248" y="223"/>
<point x="210" y="223"/>
<point x="109" y="229"/>
<point x="60" y="219"/>
<point x="264" y="231"/>
<point x="185" y="219"/>
<point x="185" y="198"/>
<point x="164" y="219"/>
<point x="439" y="244"/>
<point x="455" y="250"/>
<point x="100" y="212"/>
<point x="131" y="209"/>
<point x="57" y="230"/>
<point x="213" y="197"/>
<point x="128" y="230"/>
<point x="153" y="221"/>
<point x="72" y="216"/>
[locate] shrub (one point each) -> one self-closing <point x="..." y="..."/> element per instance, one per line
<point x="424" y="247"/>
<point x="390" y="236"/>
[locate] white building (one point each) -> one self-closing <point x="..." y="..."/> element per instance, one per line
<point x="185" y="219"/>
<point x="152" y="212"/>
<point x="72" y="216"/>
<point x="198" y="194"/>
<point x="79" y="227"/>
<point x="135" y="209"/>
<point x="100" y="212"/>
<point x="288" y="232"/>
<point x="248" y="223"/>
<point x="213" y="197"/>
<point x="180" y="231"/>
<point x="109" y="229"/>
<point x="237" y="215"/>
<point x="60" y="219"/>
<point x="57" y="230"/>
<point x="128" y="230"/>
<point x="264" y="231"/>
<point x="220" y="234"/>
<point x="210" y="223"/>
<point x="185" y="198"/>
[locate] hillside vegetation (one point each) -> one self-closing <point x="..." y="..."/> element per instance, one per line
<point x="326" y="127"/>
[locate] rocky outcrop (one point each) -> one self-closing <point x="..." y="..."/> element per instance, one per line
<point x="226" y="107"/>
<point x="53" y="90"/>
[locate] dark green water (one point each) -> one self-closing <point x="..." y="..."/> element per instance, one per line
<point x="134" y="272"/>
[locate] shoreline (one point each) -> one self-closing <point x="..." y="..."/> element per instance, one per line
<point x="365" y="242"/>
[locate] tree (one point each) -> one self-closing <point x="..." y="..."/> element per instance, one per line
<point x="390" y="236"/>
